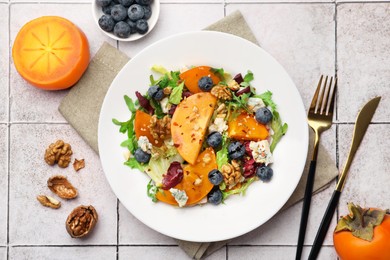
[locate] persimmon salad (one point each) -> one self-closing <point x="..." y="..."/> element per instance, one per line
<point x="201" y="135"/>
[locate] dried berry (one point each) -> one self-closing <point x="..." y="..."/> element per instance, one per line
<point x="62" y="187"/>
<point x="173" y="176"/>
<point x="144" y="102"/>
<point x="48" y="201"/>
<point x="243" y="91"/>
<point x="58" y="152"/>
<point x="81" y="221"/>
<point x="78" y="164"/>
<point x="238" y="78"/>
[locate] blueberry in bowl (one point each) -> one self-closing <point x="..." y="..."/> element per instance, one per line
<point x="126" y="20"/>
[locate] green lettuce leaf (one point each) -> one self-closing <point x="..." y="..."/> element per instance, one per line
<point x="279" y="129"/>
<point x="222" y="154"/>
<point x="176" y="94"/>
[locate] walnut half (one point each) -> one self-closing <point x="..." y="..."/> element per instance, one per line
<point x="62" y="187"/>
<point x="81" y="221"/>
<point x="48" y="201"/>
<point x="58" y="152"/>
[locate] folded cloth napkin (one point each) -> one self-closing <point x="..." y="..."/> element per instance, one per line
<point x="81" y="108"/>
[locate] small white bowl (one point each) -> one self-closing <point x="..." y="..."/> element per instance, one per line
<point x="155" y="6"/>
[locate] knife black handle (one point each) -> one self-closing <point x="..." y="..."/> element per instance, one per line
<point x="325" y="223"/>
<point x="305" y="209"/>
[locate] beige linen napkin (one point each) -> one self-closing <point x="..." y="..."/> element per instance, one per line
<point x="81" y="108"/>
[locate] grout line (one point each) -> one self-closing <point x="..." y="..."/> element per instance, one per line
<point x="87" y="245"/>
<point x="9" y="127"/>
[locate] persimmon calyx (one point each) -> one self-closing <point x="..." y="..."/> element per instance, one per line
<point x="361" y="221"/>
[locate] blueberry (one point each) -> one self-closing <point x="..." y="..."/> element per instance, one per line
<point x="107" y="23"/>
<point x="215" y="177"/>
<point x="143" y="2"/>
<point x="215" y="196"/>
<point x="126" y="3"/>
<point x="214" y="139"/>
<point x="107" y="9"/>
<point x="142" y="26"/>
<point x="156" y="93"/>
<point x="236" y="150"/>
<point x="135" y="12"/>
<point x="141" y="156"/>
<point x="205" y="83"/>
<point x="122" y="29"/>
<point x="103" y="2"/>
<point x="147" y="11"/>
<point x="116" y="1"/>
<point x="133" y="28"/>
<point x="119" y="12"/>
<point x="264" y="173"/>
<point x="263" y="115"/>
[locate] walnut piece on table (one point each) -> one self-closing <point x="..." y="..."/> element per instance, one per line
<point x="58" y="152"/>
<point x="48" y="201"/>
<point x="81" y="221"/>
<point x="62" y="187"/>
<point x="78" y="164"/>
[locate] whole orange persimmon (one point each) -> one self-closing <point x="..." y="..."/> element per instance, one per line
<point x="364" y="234"/>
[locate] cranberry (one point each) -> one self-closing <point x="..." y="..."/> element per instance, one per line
<point x="243" y="91"/>
<point x="173" y="176"/>
<point x="186" y="94"/>
<point x="238" y="78"/>
<point x="172" y="109"/>
<point x="144" y="102"/>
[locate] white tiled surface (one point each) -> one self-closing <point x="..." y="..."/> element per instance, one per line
<point x="307" y="37"/>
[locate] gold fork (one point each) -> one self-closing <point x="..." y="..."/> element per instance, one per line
<point x="320" y="119"/>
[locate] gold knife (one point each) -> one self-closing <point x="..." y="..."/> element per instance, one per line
<point x="362" y="121"/>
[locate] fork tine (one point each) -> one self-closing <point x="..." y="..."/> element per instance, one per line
<point x="315" y="97"/>
<point x="321" y="99"/>
<point x="326" y="100"/>
<point x="331" y="107"/>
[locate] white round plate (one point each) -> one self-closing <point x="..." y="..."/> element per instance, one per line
<point x="155" y="6"/>
<point x="239" y="214"/>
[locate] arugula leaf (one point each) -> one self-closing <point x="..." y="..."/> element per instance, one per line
<point x="134" y="164"/>
<point x="157" y="108"/>
<point x="219" y="72"/>
<point x="248" y="76"/>
<point x="151" y="191"/>
<point x="267" y="99"/>
<point x="241" y="190"/>
<point x="240" y="102"/>
<point x="222" y="155"/>
<point x="116" y="122"/>
<point x="176" y="94"/>
<point x="129" y="103"/>
<point x="279" y="129"/>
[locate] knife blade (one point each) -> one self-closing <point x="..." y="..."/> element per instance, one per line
<point x="362" y="122"/>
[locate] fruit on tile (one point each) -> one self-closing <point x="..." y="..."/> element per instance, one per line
<point x="192" y="77"/>
<point x="245" y="127"/>
<point x="195" y="180"/>
<point x="51" y="53"/>
<point x="363" y="234"/>
<point x="142" y="124"/>
<point x="189" y="124"/>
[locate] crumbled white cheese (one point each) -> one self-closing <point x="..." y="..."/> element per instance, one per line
<point x="144" y="144"/>
<point x="255" y="103"/>
<point x="165" y="106"/>
<point x="218" y="125"/>
<point x="180" y="196"/>
<point x="261" y="152"/>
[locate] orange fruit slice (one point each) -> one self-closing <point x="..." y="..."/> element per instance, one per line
<point x="51" y="53"/>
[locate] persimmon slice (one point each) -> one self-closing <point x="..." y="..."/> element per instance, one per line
<point x="193" y="75"/>
<point x="51" y="53"/>
<point x="195" y="180"/>
<point x="189" y="124"/>
<point x="141" y="127"/>
<point x="245" y="127"/>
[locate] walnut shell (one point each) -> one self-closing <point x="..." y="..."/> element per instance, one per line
<point x="48" y="201"/>
<point x="62" y="187"/>
<point x="81" y="221"/>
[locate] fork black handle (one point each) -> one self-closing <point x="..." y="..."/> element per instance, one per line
<point x="306" y="208"/>
<point x="325" y="223"/>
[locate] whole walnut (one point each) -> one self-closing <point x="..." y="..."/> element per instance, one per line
<point x="58" y="152"/>
<point x="81" y="221"/>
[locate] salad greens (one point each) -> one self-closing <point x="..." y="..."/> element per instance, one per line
<point x="164" y="160"/>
